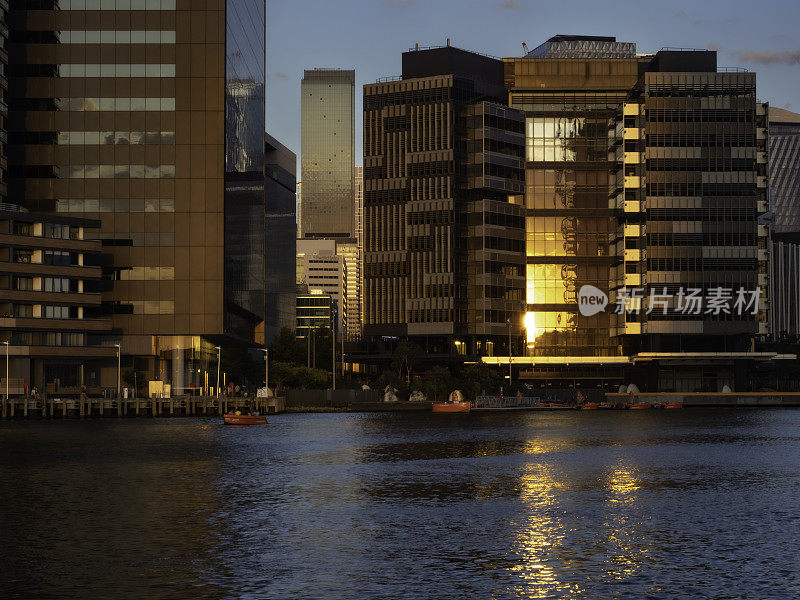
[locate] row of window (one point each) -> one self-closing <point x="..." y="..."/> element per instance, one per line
<point x="120" y="171"/>
<point x="117" y="138"/>
<point x="117" y="70"/>
<point x="116" y="4"/>
<point x="48" y="311"/>
<point x="701" y="264"/>
<point x="115" y="205"/>
<point x="701" y="239"/>
<point x="117" y="37"/>
<point x="113" y="104"/>
<point x="146" y="274"/>
<point x="50" y="257"/>
<point x="699" y="116"/>
<point x="700" y="164"/>
<point x="47" y="338"/>
<point x="153" y="307"/>
<point x="49" y="284"/>
<point x="683" y="188"/>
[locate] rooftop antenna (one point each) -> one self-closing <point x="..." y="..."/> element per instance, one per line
<point x="448" y="42"/>
<point x="525" y="47"/>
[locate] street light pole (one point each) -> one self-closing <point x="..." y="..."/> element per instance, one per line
<point x="219" y="356"/>
<point x="119" y="371"/>
<point x="266" y="371"/>
<point x="4" y="407"/>
<point x="509" y="354"/>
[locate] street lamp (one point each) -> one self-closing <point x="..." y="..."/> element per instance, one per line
<point x="266" y="371"/>
<point x="119" y="370"/>
<point x="219" y="355"/>
<point x="6" y="345"/>
<point x="509" y="352"/>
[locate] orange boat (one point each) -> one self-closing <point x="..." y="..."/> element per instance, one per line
<point x="673" y="405"/>
<point x="640" y="406"/>
<point x="450" y="407"/>
<point x="234" y="419"/>
<point x="590" y="406"/>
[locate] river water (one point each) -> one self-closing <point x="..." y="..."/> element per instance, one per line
<point x="595" y="505"/>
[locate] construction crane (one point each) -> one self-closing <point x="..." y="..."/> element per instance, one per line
<point x="525" y="47"/>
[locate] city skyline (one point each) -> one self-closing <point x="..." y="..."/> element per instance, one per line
<point x="749" y="37"/>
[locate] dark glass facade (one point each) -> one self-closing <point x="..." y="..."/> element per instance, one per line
<point x="281" y="228"/>
<point x="569" y="104"/>
<point x="149" y="117"/>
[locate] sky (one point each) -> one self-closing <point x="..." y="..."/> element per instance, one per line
<point x="370" y="36"/>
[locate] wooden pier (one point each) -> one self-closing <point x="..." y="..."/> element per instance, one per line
<point x="190" y="406"/>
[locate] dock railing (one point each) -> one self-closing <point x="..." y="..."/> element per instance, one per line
<point x="501" y="402"/>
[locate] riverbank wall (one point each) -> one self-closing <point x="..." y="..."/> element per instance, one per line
<point x="305" y="401"/>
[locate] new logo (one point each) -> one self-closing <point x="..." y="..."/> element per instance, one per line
<point x="591" y="300"/>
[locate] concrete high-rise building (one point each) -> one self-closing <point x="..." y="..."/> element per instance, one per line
<point x="443" y="219"/>
<point x="149" y="119"/>
<point x="784" y="167"/>
<point x="327" y="153"/>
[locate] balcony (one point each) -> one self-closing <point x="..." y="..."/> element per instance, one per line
<point x="633" y="182"/>
<point x="633" y="158"/>
<point x="633" y="206"/>
<point x="630" y="133"/>
<point x="633" y="255"/>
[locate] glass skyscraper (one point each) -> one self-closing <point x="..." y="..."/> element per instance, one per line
<point x="327" y="159"/>
<point x="149" y="117"/>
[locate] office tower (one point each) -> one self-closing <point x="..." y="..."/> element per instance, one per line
<point x="443" y="220"/>
<point x="299" y="204"/>
<point x="314" y="311"/>
<point x="281" y="166"/>
<point x="50" y="279"/>
<point x="149" y="117"/>
<point x="358" y="189"/>
<point x="784" y="167"/>
<point x="327" y="153"/>
<point x="350" y="307"/>
<point x="694" y="182"/>
<point x="3" y="101"/>
<point x="644" y="171"/>
<point x="359" y="206"/>
<point x="568" y="98"/>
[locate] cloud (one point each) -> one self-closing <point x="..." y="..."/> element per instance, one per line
<point x="281" y="75"/>
<point x="508" y="4"/>
<point x="401" y="3"/>
<point x="790" y="58"/>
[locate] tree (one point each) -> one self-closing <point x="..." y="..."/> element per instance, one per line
<point x="287" y="348"/>
<point x="478" y="378"/>
<point x="406" y="356"/>
<point x="437" y="382"/>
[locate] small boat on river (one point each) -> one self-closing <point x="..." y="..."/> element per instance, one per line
<point x="450" y="407"/>
<point x="239" y="419"/>
<point x="590" y="406"/>
<point x="640" y="406"/>
<point x="673" y="405"/>
<point x="455" y="404"/>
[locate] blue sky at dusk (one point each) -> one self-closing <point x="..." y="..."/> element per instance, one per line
<point x="370" y="35"/>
